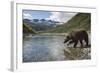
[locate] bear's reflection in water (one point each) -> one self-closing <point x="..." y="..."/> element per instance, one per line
<point x="77" y="53"/>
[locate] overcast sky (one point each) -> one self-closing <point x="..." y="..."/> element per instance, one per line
<point x="48" y="15"/>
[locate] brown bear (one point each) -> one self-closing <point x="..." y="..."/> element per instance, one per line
<point x="77" y="36"/>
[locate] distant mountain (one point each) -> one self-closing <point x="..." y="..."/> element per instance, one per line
<point x="42" y="24"/>
<point x="79" y="21"/>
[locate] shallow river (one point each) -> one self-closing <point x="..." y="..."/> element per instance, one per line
<point x="43" y="48"/>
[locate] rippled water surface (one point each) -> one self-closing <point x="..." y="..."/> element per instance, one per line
<point x="43" y="48"/>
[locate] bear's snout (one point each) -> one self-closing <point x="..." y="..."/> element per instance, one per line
<point x="65" y="41"/>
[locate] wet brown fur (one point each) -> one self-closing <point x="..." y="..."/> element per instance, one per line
<point x="77" y="36"/>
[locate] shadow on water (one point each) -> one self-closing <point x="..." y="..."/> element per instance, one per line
<point x="78" y="53"/>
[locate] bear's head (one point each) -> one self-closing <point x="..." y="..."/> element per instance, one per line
<point x="67" y="39"/>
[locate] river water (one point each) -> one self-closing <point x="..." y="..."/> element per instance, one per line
<point x="43" y="48"/>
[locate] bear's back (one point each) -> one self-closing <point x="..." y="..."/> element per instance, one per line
<point x="79" y="34"/>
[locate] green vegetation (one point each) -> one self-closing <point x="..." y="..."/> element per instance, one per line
<point x="28" y="30"/>
<point x="79" y="21"/>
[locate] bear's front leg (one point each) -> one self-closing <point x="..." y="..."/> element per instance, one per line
<point x="75" y="43"/>
<point x="70" y="42"/>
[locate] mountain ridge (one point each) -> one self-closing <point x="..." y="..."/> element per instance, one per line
<point x="79" y="21"/>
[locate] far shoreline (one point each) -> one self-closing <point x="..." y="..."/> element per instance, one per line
<point x="48" y="34"/>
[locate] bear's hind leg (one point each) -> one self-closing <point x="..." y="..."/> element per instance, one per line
<point x="86" y="40"/>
